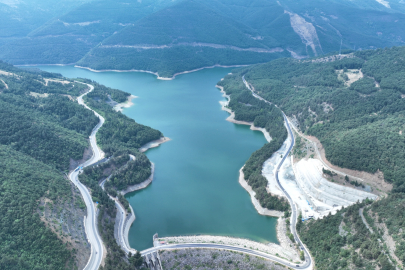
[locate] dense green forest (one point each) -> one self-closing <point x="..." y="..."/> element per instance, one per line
<point x="25" y="242"/>
<point x="342" y="241"/>
<point x="248" y="108"/>
<point x="52" y="129"/>
<point x="42" y="128"/>
<point x="136" y="172"/>
<point x="354" y="104"/>
<point x="361" y="126"/>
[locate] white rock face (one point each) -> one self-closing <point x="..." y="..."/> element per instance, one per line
<point x="306" y="31"/>
<point x="314" y="195"/>
<point x="384" y="3"/>
<point x="324" y="195"/>
<point x="11" y="3"/>
<point x="269" y="169"/>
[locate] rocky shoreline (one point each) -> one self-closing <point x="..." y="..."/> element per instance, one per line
<point x="231" y="117"/>
<point x="142" y="185"/>
<point x="255" y="202"/>
<point x="120" y="106"/>
<point x="154" y="144"/>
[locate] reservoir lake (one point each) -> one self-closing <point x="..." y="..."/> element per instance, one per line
<point x="195" y="188"/>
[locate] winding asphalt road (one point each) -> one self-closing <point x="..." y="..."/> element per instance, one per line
<point x="308" y="260"/>
<point x="121" y="212"/>
<point x="91" y="218"/>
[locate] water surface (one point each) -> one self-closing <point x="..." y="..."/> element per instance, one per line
<point x="195" y="189"/>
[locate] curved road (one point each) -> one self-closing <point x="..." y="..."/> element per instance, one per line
<point x="308" y="260"/>
<point x="121" y="217"/>
<point x="93" y="236"/>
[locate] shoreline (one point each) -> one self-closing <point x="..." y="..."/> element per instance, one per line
<point x="242" y="181"/>
<point x="156" y="73"/>
<point x="153" y="144"/>
<point x="141" y="185"/>
<point x="231" y="117"/>
<point x="131" y="217"/>
<point x="262" y="211"/>
<point x="127" y="104"/>
<point x="35" y="65"/>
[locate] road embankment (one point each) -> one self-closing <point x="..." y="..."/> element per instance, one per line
<point x="269" y="248"/>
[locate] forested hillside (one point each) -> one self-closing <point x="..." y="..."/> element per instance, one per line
<point x="25" y="242"/>
<point x="343" y="241"/>
<point x="354" y="104"/>
<point x="169" y="37"/>
<point x="43" y="133"/>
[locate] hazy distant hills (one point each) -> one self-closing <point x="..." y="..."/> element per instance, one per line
<point x="67" y="37"/>
<point x="172" y="36"/>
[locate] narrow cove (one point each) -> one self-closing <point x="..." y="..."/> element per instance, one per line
<point x="195" y="189"/>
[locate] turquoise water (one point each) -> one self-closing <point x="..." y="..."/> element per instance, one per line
<point x="195" y="189"/>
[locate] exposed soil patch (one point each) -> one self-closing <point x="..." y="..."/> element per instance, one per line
<point x="282" y="236"/>
<point x="306" y="31"/>
<point x="387" y="238"/>
<point x="303" y="148"/>
<point x="343" y="229"/>
<point x="331" y="58"/>
<point x="65" y="218"/>
<point x="88" y="153"/>
<point x="327" y="107"/>
<point x="38" y="95"/>
<point x="70" y="97"/>
<point x="210" y="259"/>
<point x="350" y="76"/>
<point x="351" y="182"/>
<point x="5" y="85"/>
<point x="57" y="81"/>
<point x="6" y="73"/>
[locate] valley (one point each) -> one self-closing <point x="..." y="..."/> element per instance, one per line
<point x="192" y="34"/>
<point x="190" y="134"/>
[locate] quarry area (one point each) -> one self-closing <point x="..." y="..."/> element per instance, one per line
<point x="314" y="189"/>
